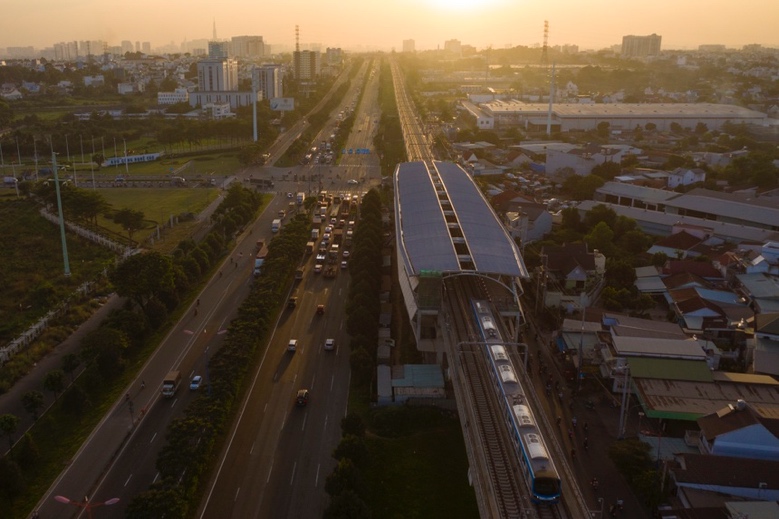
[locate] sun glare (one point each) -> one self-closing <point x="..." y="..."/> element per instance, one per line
<point x="459" y="5"/>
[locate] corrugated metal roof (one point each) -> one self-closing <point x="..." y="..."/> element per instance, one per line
<point x="417" y="375"/>
<point x="670" y="369"/>
<point x="657" y="347"/>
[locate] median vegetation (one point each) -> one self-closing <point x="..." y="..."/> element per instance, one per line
<point x="89" y="382"/>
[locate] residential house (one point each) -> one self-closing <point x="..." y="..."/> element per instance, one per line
<point x="763" y="349"/>
<point x="740" y="431"/>
<point x="530" y="223"/>
<point x="685" y="177"/>
<point x="570" y="273"/>
<point x="745" y="478"/>
<point x="677" y="245"/>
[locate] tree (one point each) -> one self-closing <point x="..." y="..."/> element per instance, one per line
<point x="352" y="423"/>
<point x="8" y="425"/>
<point x="347" y="505"/>
<point x="32" y="401"/>
<point x="142" y="276"/>
<point x="352" y="447"/>
<point x="11" y="479"/>
<point x="607" y="170"/>
<point x="70" y="364"/>
<point x="603" y="129"/>
<point x="601" y="237"/>
<point x="54" y="382"/>
<point x="346" y="476"/>
<point x="130" y="220"/>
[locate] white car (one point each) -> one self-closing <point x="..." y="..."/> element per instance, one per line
<point x="329" y="344"/>
<point x="352" y="181"/>
<point x="289" y="195"/>
<point x="346" y="254"/>
<point x="328" y="229"/>
<point x="344" y="264"/>
<point x="318" y="268"/>
<point x="292" y="345"/>
<point x="197" y="380"/>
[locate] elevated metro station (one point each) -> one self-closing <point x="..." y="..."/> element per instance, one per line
<point x="445" y="227"/>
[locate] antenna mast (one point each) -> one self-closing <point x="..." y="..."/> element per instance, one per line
<point x="545" y="48"/>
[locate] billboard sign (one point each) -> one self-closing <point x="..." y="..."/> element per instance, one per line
<point x="282" y="104"/>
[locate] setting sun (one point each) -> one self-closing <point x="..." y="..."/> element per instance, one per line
<point x="463" y="5"/>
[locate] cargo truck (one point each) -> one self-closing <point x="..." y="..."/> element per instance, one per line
<point x="259" y="259"/>
<point x="275" y="225"/>
<point x="310" y="246"/>
<point x="171" y="383"/>
<point x="314" y="234"/>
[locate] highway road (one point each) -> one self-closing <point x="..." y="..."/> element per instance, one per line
<point x="279" y="455"/>
<point x="118" y="460"/>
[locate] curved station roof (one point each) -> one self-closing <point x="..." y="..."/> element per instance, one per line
<point x="444" y="224"/>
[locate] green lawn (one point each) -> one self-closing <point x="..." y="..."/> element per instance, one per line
<point x="420" y="475"/>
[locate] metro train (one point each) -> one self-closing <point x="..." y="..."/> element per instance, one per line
<point x="541" y="476"/>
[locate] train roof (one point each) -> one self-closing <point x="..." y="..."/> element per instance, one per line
<point x="444" y="224"/>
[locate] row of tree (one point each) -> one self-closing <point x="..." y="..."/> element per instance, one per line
<point x="346" y="485"/>
<point x="191" y="440"/>
<point x="155" y="286"/>
<point x="389" y="142"/>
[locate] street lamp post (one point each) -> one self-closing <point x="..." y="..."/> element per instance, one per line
<point x="86" y="504"/>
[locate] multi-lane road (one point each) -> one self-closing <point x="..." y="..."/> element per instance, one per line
<point x="278" y="455"/>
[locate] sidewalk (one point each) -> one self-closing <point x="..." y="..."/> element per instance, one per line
<point x="11" y="401"/>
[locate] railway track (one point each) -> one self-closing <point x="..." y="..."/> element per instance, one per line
<point x="500" y="457"/>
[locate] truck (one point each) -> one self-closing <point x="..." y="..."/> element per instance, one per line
<point x="299" y="273"/>
<point x="333" y="255"/>
<point x="314" y="234"/>
<point x="275" y="225"/>
<point x="301" y="198"/>
<point x="171" y="383"/>
<point x="310" y="246"/>
<point x="259" y="259"/>
<point x="338" y="235"/>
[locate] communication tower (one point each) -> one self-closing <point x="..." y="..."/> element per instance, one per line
<point x="545" y="48"/>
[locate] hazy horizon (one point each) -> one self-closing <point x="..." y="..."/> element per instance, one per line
<point x="352" y="24"/>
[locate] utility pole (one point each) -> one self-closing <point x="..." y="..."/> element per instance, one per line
<point x="65" y="259"/>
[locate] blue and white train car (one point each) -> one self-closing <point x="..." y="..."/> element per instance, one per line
<point x="541" y="476"/>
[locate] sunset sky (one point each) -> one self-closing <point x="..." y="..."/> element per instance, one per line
<point x="384" y="24"/>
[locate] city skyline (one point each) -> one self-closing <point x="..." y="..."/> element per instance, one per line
<point x="353" y="24"/>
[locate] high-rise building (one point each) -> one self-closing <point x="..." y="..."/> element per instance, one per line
<point x="306" y="64"/>
<point x="641" y="46"/>
<point x="334" y="56"/>
<point x="217" y="75"/>
<point x="269" y="81"/>
<point x="137" y="46"/>
<point x="409" y="46"/>
<point x="146" y="46"/>
<point x="218" y="49"/>
<point x="127" y="46"/>
<point x="66" y="51"/>
<point x="248" y="47"/>
<point x="453" y="47"/>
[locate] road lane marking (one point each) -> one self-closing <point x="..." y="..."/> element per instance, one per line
<point x="294" y="468"/>
<point x="153" y="437"/>
<point x="237" y="491"/>
<point x="128" y="479"/>
<point x="332" y="381"/>
<point x="305" y="418"/>
<point x="270" y="471"/>
<point x="313" y="381"/>
<point x="265" y="408"/>
<point x="316" y="481"/>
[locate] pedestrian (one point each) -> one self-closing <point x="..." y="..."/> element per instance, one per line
<point x="570" y="434"/>
<point x="195" y="312"/>
<point x="559" y="419"/>
<point x="573" y="454"/>
<point x="127" y="397"/>
<point x="585" y="427"/>
<point x="573" y="422"/>
<point x="586" y="444"/>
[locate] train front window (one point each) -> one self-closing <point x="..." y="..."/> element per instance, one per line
<point x="547" y="487"/>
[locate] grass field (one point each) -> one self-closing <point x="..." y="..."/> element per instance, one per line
<point x="158" y="205"/>
<point x="422" y="474"/>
